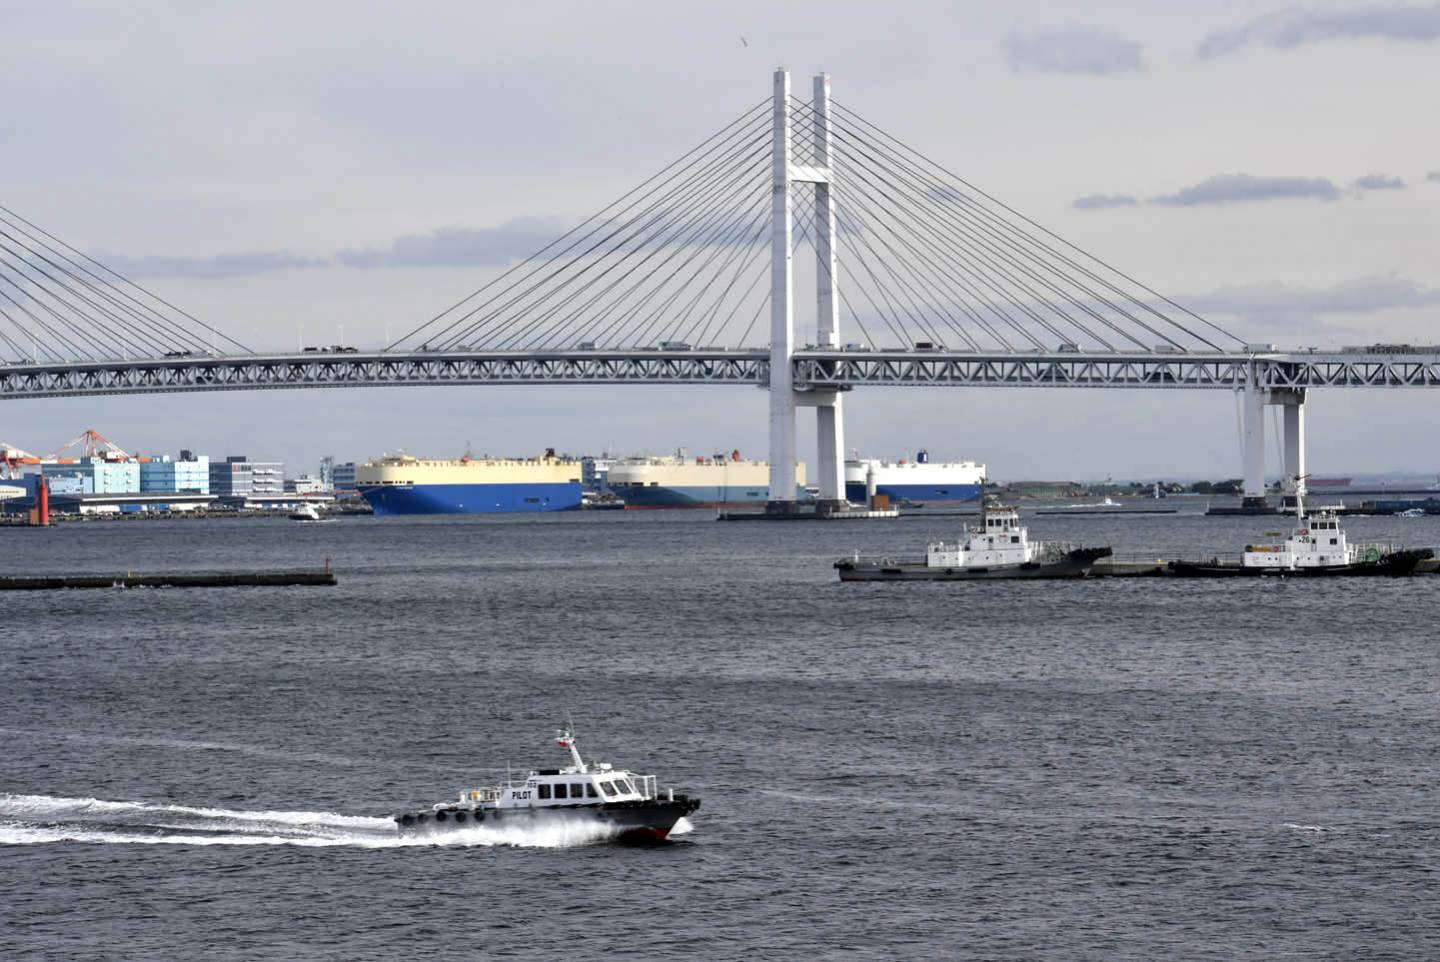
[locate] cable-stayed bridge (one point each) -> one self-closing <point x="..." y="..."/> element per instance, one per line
<point x="690" y="278"/>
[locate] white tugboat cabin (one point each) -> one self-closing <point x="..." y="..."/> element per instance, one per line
<point x="1317" y="542"/>
<point x="998" y="540"/>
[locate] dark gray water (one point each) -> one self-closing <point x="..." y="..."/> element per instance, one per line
<point x="1104" y="770"/>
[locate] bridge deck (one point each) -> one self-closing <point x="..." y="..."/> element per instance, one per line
<point x="812" y="369"/>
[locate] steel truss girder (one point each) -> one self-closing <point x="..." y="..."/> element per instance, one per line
<point x="817" y="369"/>
<point x="243" y="373"/>
<point x="812" y="369"/>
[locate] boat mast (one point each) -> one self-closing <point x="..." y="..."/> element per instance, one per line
<point x="565" y="738"/>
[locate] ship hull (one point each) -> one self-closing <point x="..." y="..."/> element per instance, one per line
<point x="690" y="496"/>
<point x="518" y="498"/>
<point x="1397" y="565"/>
<point x="917" y="493"/>
<point x="1075" y="564"/>
<point x="640" y="821"/>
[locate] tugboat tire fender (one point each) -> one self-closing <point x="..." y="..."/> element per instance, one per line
<point x="440" y="816"/>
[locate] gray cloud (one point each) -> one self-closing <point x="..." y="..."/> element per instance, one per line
<point x="1071" y="50"/>
<point x="460" y="246"/>
<point x="1379" y="182"/>
<point x="1340" y="309"/>
<point x="1240" y="188"/>
<point x="206" y="267"/>
<point x="1296" y="28"/>
<point x="1104" y="201"/>
<point x="1433" y="175"/>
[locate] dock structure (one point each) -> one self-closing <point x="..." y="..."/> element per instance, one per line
<point x="236" y="579"/>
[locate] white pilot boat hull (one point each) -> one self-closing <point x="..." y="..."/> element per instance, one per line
<point x="649" y="820"/>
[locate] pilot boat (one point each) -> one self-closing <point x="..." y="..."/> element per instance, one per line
<point x="1318" y="547"/>
<point x="998" y="547"/>
<point x="304" y="512"/>
<point x="630" y="803"/>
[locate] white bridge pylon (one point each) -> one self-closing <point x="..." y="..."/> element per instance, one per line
<point x="818" y="171"/>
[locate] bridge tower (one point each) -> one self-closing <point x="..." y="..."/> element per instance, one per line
<point x="818" y="171"/>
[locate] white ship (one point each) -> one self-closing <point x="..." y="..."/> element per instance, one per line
<point x="920" y="481"/>
<point x="679" y="481"/>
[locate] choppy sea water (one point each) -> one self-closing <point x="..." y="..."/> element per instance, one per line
<point x="1103" y="770"/>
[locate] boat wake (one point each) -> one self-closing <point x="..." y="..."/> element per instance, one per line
<point x="42" y="819"/>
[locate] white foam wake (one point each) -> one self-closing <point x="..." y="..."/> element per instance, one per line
<point x="39" y="819"/>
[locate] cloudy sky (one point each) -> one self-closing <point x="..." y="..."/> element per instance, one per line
<point x="288" y="171"/>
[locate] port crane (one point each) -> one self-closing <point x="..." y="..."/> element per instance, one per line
<point x="94" y="445"/>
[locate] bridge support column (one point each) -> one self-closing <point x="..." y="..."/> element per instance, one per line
<point x="1253" y="488"/>
<point x="782" y="317"/>
<point x="1292" y="402"/>
<point x="830" y="412"/>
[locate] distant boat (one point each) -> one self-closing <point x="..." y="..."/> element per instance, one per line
<point x="305" y="512"/>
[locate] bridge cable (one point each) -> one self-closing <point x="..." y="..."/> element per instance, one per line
<point x="63" y="247"/>
<point x="746" y="120"/>
<point x="113" y="336"/>
<point x="666" y="227"/>
<point x="1139" y="303"/>
<point x="707" y="175"/>
<point x="964" y="223"/>
<point x="733" y="195"/>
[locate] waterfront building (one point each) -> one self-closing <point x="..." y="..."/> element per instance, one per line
<point x="239" y="477"/>
<point x="187" y="475"/>
<point x="90" y="476"/>
<point x="343" y="476"/>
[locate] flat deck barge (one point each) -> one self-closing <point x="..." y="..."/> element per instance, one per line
<point x="240" y="579"/>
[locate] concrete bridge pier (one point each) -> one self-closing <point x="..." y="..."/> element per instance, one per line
<point x="1292" y="401"/>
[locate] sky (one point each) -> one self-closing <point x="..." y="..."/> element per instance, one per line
<point x="326" y="172"/>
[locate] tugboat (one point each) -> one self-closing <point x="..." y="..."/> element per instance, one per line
<point x="1317" y="548"/>
<point x="631" y="803"/>
<point x="999" y="547"/>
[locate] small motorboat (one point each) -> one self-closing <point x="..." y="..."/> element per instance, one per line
<point x="304" y="512"/>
